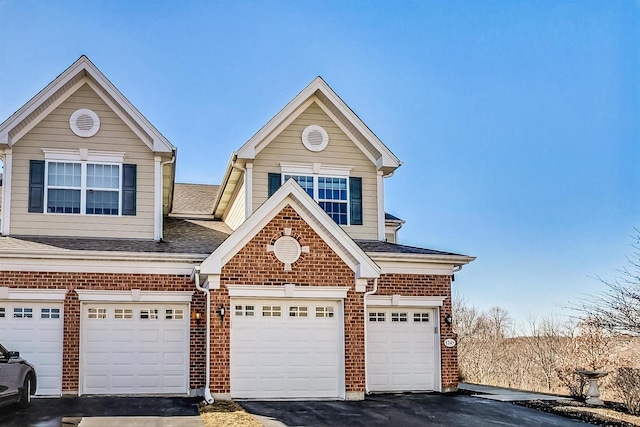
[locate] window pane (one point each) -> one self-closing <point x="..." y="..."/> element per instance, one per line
<point x="306" y="182"/>
<point x="103" y="176"/>
<point x="63" y="201"/>
<point x="332" y="188"/>
<point x="102" y="202"/>
<point x="64" y="174"/>
<point x="337" y="211"/>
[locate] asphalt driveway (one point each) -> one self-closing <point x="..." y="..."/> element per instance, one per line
<point x="406" y="410"/>
<point x="49" y="412"/>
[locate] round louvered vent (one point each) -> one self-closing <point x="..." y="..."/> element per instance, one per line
<point x="84" y="122"/>
<point x="287" y="249"/>
<point x="315" y="138"/>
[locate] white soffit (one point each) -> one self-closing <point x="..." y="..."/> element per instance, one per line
<point x="291" y="194"/>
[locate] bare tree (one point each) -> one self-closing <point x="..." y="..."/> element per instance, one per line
<point x="618" y="307"/>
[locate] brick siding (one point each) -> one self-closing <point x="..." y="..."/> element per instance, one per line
<point x="111" y="282"/>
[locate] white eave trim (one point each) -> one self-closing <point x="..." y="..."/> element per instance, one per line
<point x="159" y="143"/>
<point x="404" y="301"/>
<point x="134" y="295"/>
<point x="248" y="150"/>
<point x="290" y="193"/>
<point x="435" y="258"/>
<point x="288" y="290"/>
<point x="100" y="255"/>
<point x="7" y="293"/>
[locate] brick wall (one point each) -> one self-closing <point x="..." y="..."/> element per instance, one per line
<point x="101" y="281"/>
<point x="428" y="285"/>
<point x="253" y="265"/>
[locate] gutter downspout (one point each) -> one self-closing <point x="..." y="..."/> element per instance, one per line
<point x="366" y="294"/>
<point x="161" y="214"/>
<point x="207" y="391"/>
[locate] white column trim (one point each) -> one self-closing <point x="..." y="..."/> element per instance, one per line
<point x="7" y="293"/>
<point x="6" y="191"/>
<point x="248" y="190"/>
<point x="157" y="214"/>
<point x="288" y="290"/>
<point x="381" y="221"/>
<point x="134" y="295"/>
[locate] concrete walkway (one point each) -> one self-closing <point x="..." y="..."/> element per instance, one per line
<point x="506" y="394"/>
<point x="189" y="421"/>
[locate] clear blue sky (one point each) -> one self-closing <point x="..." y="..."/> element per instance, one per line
<point x="518" y="121"/>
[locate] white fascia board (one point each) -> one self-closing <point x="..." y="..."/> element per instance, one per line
<point x="7" y="293"/>
<point x="455" y="260"/>
<point x="250" y="148"/>
<point x="288" y="291"/>
<point x="225" y="182"/>
<point x="160" y="143"/>
<point x="79" y="262"/>
<point x="290" y="193"/>
<point x="404" y="301"/>
<point x="394" y="267"/>
<point x="134" y="295"/>
<point x="389" y="159"/>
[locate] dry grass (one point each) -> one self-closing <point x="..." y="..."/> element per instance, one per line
<point x="612" y="415"/>
<point x="226" y="414"/>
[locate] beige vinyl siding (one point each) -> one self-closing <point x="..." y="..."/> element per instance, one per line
<point x="235" y="216"/>
<point x="114" y="135"/>
<point x="287" y="147"/>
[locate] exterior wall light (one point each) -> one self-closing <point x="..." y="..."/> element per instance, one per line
<point x="221" y="312"/>
<point x="196" y="316"/>
<point x="448" y="319"/>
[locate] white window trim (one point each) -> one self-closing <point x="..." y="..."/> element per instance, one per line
<point x="83" y="157"/>
<point x="288" y="291"/>
<point x="404" y="301"/>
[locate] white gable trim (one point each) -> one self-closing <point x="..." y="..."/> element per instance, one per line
<point x="291" y="194"/>
<point x="286" y="115"/>
<point x="159" y="143"/>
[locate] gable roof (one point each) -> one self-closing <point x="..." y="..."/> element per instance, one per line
<point x="344" y="117"/>
<point x="291" y="194"/>
<point x="79" y="73"/>
<point x="193" y="199"/>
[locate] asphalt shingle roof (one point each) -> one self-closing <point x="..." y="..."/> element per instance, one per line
<point x="389" y="217"/>
<point x="386" y="247"/>
<point x="194" y="198"/>
<point x="180" y="237"/>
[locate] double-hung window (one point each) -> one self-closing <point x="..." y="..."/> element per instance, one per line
<point x="83" y="188"/>
<point x="82" y="182"/>
<point x="330" y="192"/>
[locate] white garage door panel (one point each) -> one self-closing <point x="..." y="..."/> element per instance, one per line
<point x="284" y="356"/>
<point x="400" y="349"/>
<point x="135" y="355"/>
<point x="38" y="339"/>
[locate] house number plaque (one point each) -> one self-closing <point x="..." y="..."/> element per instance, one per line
<point x="449" y="342"/>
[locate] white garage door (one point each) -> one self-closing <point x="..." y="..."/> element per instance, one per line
<point x="35" y="330"/>
<point x="400" y="349"/>
<point x="132" y="348"/>
<point x="286" y="349"/>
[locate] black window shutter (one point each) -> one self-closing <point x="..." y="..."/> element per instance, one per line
<point x="36" y="186"/>
<point x="129" y="179"/>
<point x="355" y="192"/>
<point x="275" y="181"/>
